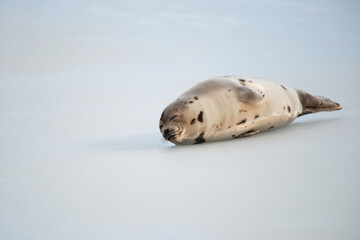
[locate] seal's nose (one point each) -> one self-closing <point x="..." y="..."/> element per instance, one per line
<point x="168" y="132"/>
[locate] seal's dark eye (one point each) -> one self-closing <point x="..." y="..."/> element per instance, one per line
<point x="173" y="117"/>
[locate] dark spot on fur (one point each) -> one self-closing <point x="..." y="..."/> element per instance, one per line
<point x="250" y="131"/>
<point x="229" y="127"/>
<point x="283" y="87"/>
<point x="233" y="136"/>
<point x="229" y="90"/>
<point x="191" y="101"/>
<point x="242" y="110"/>
<point x="256" y="116"/>
<point x="289" y="109"/>
<point x="242" y="80"/>
<point x="200" y="139"/>
<point x="245" y="134"/>
<point x="193" y="121"/>
<point x="196" y="98"/>
<point x="242" y="122"/>
<point x="271" y="127"/>
<point x="284" y="107"/>
<point x="200" y="117"/>
<point x="321" y="103"/>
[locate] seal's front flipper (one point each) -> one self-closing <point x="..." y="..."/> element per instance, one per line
<point x="247" y="95"/>
<point x="314" y="104"/>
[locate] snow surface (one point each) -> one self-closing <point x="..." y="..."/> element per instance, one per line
<point x="82" y="87"/>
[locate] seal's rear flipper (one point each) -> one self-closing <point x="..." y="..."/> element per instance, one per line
<point x="314" y="104"/>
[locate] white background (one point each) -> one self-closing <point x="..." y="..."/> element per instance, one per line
<point x="82" y="87"/>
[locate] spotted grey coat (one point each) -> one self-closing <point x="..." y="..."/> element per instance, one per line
<point x="233" y="107"/>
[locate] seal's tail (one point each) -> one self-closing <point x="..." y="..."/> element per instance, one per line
<point x="314" y="104"/>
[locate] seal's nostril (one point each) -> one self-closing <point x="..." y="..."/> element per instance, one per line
<point x="166" y="131"/>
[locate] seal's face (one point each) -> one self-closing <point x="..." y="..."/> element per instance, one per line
<point x="173" y="122"/>
<point x="171" y="127"/>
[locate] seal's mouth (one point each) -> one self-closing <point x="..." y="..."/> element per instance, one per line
<point x="175" y="138"/>
<point x="171" y="135"/>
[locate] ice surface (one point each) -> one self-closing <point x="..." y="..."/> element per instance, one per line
<point x="82" y="87"/>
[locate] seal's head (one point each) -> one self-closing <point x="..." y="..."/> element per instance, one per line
<point x="174" y="122"/>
